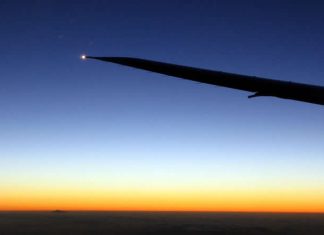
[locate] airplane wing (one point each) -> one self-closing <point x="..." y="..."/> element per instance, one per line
<point x="259" y="86"/>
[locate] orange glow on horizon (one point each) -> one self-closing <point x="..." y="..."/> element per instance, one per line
<point x="136" y="200"/>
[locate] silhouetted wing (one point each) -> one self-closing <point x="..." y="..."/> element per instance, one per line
<point x="260" y="86"/>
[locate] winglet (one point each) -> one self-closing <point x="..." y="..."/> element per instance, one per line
<point x="257" y="94"/>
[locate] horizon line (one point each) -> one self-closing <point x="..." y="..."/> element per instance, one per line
<point x="170" y="211"/>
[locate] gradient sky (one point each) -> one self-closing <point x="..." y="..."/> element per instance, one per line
<point x="88" y="135"/>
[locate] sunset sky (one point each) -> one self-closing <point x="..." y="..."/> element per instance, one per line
<point x="88" y="135"/>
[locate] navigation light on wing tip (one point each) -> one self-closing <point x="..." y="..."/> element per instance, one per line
<point x="83" y="57"/>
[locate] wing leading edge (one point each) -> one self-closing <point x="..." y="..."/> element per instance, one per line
<point x="259" y="86"/>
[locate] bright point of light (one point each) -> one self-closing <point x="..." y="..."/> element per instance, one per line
<point x="83" y="57"/>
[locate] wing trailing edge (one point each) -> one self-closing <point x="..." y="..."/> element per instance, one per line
<point x="259" y="86"/>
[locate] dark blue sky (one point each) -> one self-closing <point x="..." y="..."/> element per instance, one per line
<point x="61" y="114"/>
